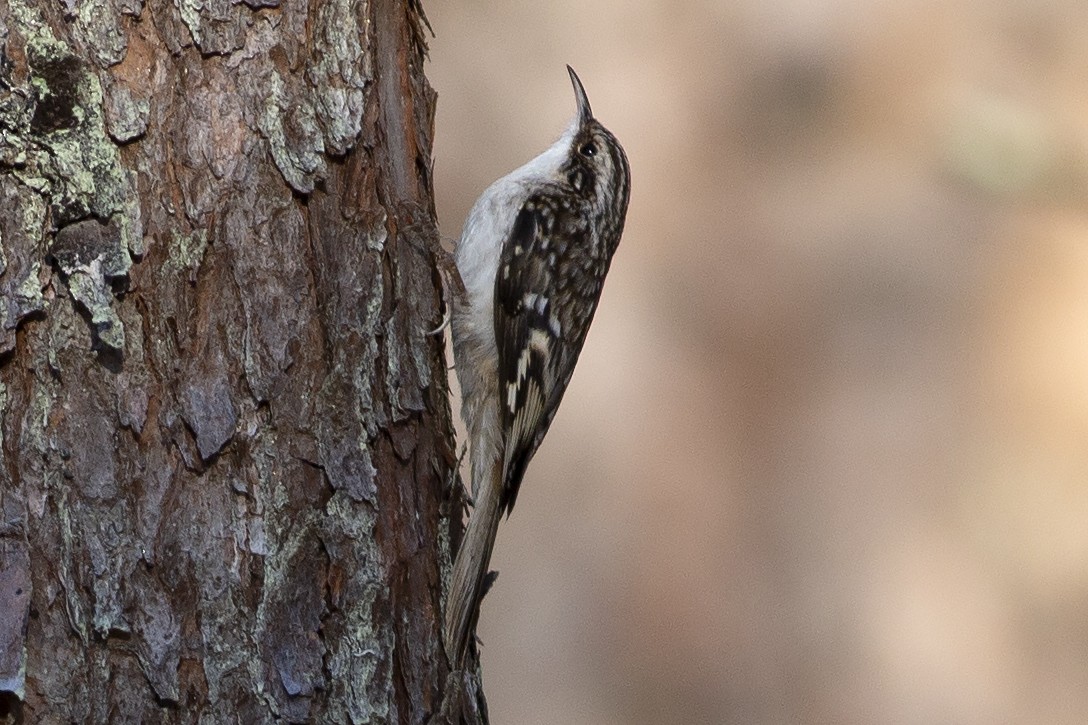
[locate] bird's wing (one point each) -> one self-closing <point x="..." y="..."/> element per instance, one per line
<point x="539" y="326"/>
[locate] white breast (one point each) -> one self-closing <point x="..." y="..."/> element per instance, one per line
<point x="491" y="219"/>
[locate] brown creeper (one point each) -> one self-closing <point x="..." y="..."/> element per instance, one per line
<point x="533" y="256"/>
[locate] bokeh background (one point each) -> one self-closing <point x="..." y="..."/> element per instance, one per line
<point x="825" y="457"/>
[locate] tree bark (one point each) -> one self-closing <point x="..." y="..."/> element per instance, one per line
<point x="227" y="445"/>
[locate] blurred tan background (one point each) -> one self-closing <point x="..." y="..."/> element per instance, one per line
<point x="825" y="457"/>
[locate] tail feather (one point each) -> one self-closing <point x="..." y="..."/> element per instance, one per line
<point x="470" y="567"/>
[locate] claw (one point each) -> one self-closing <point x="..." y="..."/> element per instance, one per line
<point x="450" y="278"/>
<point x="446" y="317"/>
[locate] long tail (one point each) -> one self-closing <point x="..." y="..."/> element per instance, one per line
<point x="470" y="566"/>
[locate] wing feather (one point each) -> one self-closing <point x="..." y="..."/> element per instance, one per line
<point x="536" y="355"/>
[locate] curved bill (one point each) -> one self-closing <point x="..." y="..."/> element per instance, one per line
<point x="584" y="111"/>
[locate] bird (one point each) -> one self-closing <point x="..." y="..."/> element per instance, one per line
<point x="533" y="256"/>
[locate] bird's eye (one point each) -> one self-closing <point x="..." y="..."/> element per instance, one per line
<point x="588" y="149"/>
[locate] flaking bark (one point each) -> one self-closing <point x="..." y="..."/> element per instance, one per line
<point x="227" y="445"/>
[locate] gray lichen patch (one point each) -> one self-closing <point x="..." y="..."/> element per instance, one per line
<point x="130" y="221"/>
<point x="28" y="291"/>
<point x="91" y="257"/>
<point x="340" y="70"/>
<point x="16" y="111"/>
<point x="19" y="298"/>
<point x="303" y="119"/>
<point x="294" y="138"/>
<point x="99" y="31"/>
<point x="57" y="143"/>
<point x="218" y="27"/>
<point x="87" y="286"/>
<point x="20" y="266"/>
<point x="82" y="164"/>
<point x="187" y="251"/>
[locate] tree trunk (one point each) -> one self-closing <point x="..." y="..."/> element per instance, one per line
<point x="227" y="445"/>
